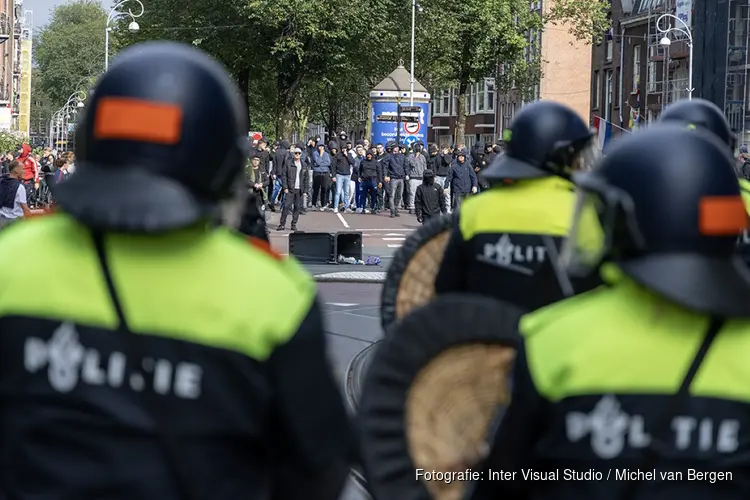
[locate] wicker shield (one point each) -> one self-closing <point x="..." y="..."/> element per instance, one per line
<point x="410" y="281"/>
<point x="434" y="385"/>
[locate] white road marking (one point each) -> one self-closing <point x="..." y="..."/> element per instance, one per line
<point x="394" y="246"/>
<point x="399" y="231"/>
<point x="394" y="239"/>
<point x="343" y="221"/>
<point x="341" y="304"/>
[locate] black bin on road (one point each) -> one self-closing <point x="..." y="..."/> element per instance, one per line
<point x="349" y="244"/>
<point x="312" y="248"/>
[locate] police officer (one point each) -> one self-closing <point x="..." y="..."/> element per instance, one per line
<point x="153" y="363"/>
<point x="705" y="115"/>
<point x="649" y="373"/>
<point x="504" y="241"/>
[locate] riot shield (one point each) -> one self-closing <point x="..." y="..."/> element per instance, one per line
<point x="410" y="281"/>
<point x="356" y="373"/>
<point x="434" y="385"/>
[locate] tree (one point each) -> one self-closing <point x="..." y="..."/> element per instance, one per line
<point x="464" y="42"/>
<point x="69" y="50"/>
<point x="278" y="50"/>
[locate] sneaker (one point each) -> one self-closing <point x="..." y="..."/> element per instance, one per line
<point x="293" y="228"/>
<point x="280" y="228"/>
<point x="359" y="210"/>
<point x="367" y="211"/>
<point x="335" y="210"/>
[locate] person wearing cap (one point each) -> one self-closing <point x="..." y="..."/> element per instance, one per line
<point x="395" y="174"/>
<point x="503" y="242"/>
<point x="295" y="182"/>
<point x="648" y="374"/>
<point x="156" y="362"/>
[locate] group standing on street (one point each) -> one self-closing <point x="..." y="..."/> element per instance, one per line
<point x="358" y="177"/>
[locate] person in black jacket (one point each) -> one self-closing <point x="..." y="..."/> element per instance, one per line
<point x="462" y="180"/>
<point x="342" y="171"/>
<point x="395" y="177"/>
<point x="295" y="182"/>
<point x="371" y="179"/>
<point x="429" y="200"/>
<point x="280" y="159"/>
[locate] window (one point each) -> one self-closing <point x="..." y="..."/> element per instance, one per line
<point x="487" y="138"/>
<point x="441" y="102"/>
<point x="472" y="100"/>
<point x="513" y="111"/>
<point x="617" y="89"/>
<point x="608" y="50"/>
<point x="480" y="96"/>
<point x="636" y="67"/>
<point x="596" y="83"/>
<point x="608" y="95"/>
<point x="454" y="105"/>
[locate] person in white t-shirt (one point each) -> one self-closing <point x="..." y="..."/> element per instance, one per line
<point x="13" y="203"/>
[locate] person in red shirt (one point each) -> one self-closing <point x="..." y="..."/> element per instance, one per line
<point x="30" y="173"/>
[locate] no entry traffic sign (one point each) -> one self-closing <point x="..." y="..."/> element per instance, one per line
<point x="411" y="128"/>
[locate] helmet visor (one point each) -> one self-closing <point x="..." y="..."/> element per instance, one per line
<point x="603" y="215"/>
<point x="586" y="244"/>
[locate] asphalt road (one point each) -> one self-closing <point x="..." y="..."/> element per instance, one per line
<point x="352" y="322"/>
<point x="381" y="235"/>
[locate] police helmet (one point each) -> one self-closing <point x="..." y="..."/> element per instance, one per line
<point x="700" y="113"/>
<point x="142" y="135"/>
<point x="667" y="217"/>
<point x="546" y="138"/>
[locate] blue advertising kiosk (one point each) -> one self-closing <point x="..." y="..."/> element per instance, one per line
<point x="385" y="99"/>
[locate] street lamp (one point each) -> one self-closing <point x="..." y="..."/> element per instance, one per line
<point x="114" y="14"/>
<point x="666" y="42"/>
<point x="414" y="7"/>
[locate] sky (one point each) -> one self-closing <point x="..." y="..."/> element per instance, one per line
<point x="42" y="9"/>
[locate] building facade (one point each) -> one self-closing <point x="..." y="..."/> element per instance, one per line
<point x="7" y="58"/>
<point x="564" y="64"/>
<point x="635" y="76"/>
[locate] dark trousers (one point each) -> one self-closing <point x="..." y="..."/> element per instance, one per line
<point x="369" y="187"/>
<point x="320" y="188"/>
<point x="294" y="199"/>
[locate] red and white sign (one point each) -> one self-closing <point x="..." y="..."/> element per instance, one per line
<point x="256" y="136"/>
<point x="411" y="128"/>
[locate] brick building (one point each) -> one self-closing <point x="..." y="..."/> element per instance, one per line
<point x="565" y="67"/>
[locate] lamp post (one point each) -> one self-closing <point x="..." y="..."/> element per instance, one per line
<point x="114" y="14"/>
<point x="59" y="117"/>
<point x="414" y="7"/>
<point x="666" y="42"/>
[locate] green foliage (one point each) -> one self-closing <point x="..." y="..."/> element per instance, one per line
<point x="586" y="19"/>
<point x="302" y="60"/>
<point x="70" y="49"/>
<point x="10" y="141"/>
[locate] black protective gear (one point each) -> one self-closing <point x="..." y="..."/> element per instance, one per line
<point x="669" y="219"/>
<point x="141" y="146"/>
<point x="700" y="113"/>
<point x="546" y="138"/>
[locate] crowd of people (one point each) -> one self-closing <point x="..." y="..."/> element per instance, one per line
<point x="347" y="176"/>
<point x="26" y="178"/>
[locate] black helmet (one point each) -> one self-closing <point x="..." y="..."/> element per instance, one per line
<point x="700" y="113"/>
<point x="667" y="217"/>
<point x="546" y="138"/>
<point x="142" y="134"/>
